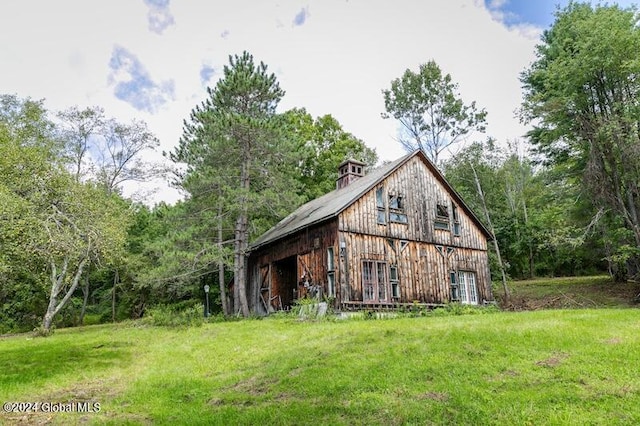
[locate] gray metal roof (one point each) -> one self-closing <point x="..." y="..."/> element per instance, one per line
<point x="333" y="203"/>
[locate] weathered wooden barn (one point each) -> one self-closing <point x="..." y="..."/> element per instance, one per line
<point x="398" y="235"/>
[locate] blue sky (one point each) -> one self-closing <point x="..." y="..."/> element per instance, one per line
<point x="152" y="60"/>
<point x="539" y="13"/>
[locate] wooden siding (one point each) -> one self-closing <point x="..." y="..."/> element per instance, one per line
<point x="280" y="270"/>
<point x="423" y="269"/>
<point x="421" y="192"/>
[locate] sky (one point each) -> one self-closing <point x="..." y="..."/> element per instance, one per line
<point x="152" y="60"/>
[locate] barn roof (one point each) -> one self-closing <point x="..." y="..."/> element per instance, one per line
<point x="333" y="203"/>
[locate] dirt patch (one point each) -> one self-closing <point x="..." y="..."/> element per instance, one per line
<point x="254" y="386"/>
<point x="435" y="396"/>
<point x="552" y="361"/>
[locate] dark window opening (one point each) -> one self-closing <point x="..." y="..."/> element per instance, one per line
<point x="442" y="211"/>
<point x="442" y="217"/>
<point x="396" y="209"/>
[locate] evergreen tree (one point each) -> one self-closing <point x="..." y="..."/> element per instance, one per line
<point x="238" y="160"/>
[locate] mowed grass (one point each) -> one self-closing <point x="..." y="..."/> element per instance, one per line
<point x="544" y="367"/>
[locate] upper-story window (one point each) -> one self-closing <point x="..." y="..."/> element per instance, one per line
<point x="456" y="220"/>
<point x="397" y="212"/>
<point x="442" y="217"/>
<point x="381" y="208"/>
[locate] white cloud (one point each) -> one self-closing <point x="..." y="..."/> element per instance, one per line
<point x="159" y="15"/>
<point x="133" y="84"/>
<point x="336" y="63"/>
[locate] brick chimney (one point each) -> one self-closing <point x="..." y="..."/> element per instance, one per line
<point x="349" y="171"/>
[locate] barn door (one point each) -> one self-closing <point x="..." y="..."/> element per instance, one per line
<point x="265" y="287"/>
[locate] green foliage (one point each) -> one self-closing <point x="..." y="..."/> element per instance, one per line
<point x="322" y="145"/>
<point x="191" y="315"/>
<point x="430" y="111"/>
<point x="540" y="227"/>
<point x="581" y="96"/>
<point x="51" y="224"/>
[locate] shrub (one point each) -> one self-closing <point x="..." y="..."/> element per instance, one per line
<point x="172" y="316"/>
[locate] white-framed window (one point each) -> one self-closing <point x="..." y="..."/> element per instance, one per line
<point x="467" y="287"/>
<point x="374" y="281"/>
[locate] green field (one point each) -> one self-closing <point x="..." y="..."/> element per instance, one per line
<point x="543" y="367"/>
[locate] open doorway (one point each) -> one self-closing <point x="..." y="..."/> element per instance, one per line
<point x="285" y="281"/>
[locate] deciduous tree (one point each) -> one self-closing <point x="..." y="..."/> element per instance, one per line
<point x="430" y="111"/>
<point x="582" y="96"/>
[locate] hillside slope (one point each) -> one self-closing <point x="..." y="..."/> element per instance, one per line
<point x="570" y="292"/>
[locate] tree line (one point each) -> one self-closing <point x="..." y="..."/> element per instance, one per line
<point x="563" y="201"/>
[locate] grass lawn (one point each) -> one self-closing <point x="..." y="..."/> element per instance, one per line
<point x="544" y="367"/>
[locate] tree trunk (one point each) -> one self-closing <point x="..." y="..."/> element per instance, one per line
<point x="85" y="294"/>
<point x="221" y="280"/>
<point x="241" y="239"/>
<point x="57" y="283"/>
<point x="529" y="238"/>
<point x="116" y="279"/>
<point x="507" y="295"/>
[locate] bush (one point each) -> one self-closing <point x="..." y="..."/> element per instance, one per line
<point x="172" y="316"/>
